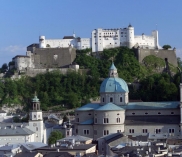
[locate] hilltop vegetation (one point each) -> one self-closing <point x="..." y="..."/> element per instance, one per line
<point x="75" y="89"/>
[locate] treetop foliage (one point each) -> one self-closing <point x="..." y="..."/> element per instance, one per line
<point x="75" y="89"/>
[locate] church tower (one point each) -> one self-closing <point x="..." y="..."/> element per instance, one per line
<point x="36" y="120"/>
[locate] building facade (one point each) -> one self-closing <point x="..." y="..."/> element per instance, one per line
<point x="104" y="38"/>
<point x="111" y="38"/>
<point x="115" y="114"/>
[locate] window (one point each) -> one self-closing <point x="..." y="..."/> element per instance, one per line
<point x="34" y="116"/>
<point x="76" y="131"/>
<point x="131" y="130"/>
<point x="95" y="120"/>
<point x="85" y="132"/>
<point x="133" y="113"/>
<point x="118" y="120"/>
<point x="111" y="99"/>
<point x="121" y="99"/>
<point x="95" y="132"/>
<point x="157" y="131"/>
<point x="106" y="120"/>
<point x="77" y="119"/>
<point x="67" y="133"/>
<point x="102" y="99"/>
<point x="37" y="129"/>
<point x="146" y="113"/>
<point x="144" y="130"/>
<point x="106" y="132"/>
<point x="171" y="130"/>
<point x="159" y="113"/>
<point x="118" y="131"/>
<point x="172" y="112"/>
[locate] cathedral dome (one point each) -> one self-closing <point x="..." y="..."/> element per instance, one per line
<point x="113" y="84"/>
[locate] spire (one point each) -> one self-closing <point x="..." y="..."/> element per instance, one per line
<point x="113" y="70"/>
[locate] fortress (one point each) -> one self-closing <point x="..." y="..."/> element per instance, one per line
<point x="49" y="54"/>
<point x="104" y="38"/>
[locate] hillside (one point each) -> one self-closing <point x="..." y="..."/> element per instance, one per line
<point x="75" y="89"/>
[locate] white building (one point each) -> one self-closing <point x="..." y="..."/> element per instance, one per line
<point x="110" y="38"/>
<point x="103" y="39"/>
<point x="67" y="41"/>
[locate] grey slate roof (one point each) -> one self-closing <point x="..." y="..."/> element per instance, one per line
<point x="33" y="145"/>
<point x="147" y="120"/>
<point x="26" y="154"/>
<point x="14" y="129"/>
<point x="76" y="138"/>
<point x="81" y="147"/>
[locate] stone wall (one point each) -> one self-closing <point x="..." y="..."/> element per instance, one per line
<point x="161" y="53"/>
<point x="53" y="57"/>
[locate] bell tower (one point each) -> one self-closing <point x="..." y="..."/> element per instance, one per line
<point x="36" y="120"/>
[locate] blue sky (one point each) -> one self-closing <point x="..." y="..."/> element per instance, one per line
<point x="23" y="21"/>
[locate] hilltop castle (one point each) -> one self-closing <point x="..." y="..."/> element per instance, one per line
<point x="49" y="54"/>
<point x="104" y="38"/>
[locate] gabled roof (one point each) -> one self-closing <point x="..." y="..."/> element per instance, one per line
<point x="14" y="129"/>
<point x="109" y="107"/>
<point x="76" y="138"/>
<point x="89" y="106"/>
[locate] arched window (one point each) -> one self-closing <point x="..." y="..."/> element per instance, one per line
<point x="111" y="99"/>
<point x="121" y="99"/>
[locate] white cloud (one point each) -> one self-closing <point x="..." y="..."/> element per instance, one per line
<point x="16" y="49"/>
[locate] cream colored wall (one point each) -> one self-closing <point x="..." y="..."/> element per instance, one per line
<point x="111" y="115"/>
<point x="83" y="116"/>
<point x="151" y="129"/>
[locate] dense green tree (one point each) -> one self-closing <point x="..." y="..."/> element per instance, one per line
<point x="166" y="47"/>
<point x="54" y="136"/>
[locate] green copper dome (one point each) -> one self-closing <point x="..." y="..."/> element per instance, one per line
<point x="35" y="99"/>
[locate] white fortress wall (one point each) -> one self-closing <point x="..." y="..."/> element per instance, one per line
<point x="54" y="43"/>
<point x="85" y="43"/>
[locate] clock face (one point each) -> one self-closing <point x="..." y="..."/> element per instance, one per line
<point x="34" y="124"/>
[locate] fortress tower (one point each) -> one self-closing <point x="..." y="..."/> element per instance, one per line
<point x="130" y="36"/>
<point x="42" y="43"/>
